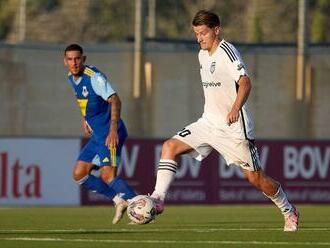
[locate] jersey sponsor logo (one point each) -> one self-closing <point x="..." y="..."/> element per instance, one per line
<point x="84" y="91"/>
<point x="211" y="84"/>
<point x="212" y="68"/>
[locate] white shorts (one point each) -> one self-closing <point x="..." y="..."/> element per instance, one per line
<point x="203" y="138"/>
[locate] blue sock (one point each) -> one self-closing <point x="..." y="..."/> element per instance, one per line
<point x="96" y="184"/>
<point x="121" y="186"/>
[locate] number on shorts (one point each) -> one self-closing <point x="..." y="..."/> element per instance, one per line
<point x="184" y="132"/>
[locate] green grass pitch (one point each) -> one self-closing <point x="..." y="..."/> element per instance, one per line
<point x="179" y="226"/>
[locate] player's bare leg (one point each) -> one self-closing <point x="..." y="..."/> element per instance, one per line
<point x="273" y="190"/>
<point x="108" y="173"/>
<point x="167" y="167"/>
<point x="81" y="169"/>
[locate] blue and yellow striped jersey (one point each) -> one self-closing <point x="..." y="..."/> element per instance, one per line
<point x="92" y="90"/>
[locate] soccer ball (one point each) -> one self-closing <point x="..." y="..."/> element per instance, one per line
<point x="141" y="209"/>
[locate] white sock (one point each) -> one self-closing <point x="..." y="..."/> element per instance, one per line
<point x="281" y="201"/>
<point x="165" y="176"/>
<point x="117" y="199"/>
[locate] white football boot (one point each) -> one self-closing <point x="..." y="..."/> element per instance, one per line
<point x="291" y="220"/>
<point x="159" y="204"/>
<point x="119" y="212"/>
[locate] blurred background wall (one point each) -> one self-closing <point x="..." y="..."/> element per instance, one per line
<point x="37" y="101"/>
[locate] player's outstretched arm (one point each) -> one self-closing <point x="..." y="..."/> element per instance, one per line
<point x="112" y="139"/>
<point x="242" y="95"/>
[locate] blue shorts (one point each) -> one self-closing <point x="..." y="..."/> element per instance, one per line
<point x="96" y="152"/>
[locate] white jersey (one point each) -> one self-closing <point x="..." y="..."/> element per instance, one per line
<point x="220" y="73"/>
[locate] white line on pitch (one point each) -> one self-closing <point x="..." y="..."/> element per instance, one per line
<point x="229" y="242"/>
<point x="145" y="230"/>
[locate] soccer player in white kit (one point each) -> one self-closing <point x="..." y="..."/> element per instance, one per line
<point x="226" y="124"/>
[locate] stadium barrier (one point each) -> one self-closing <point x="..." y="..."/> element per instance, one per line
<point x="37" y="171"/>
<point x="302" y="167"/>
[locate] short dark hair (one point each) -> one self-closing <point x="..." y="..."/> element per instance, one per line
<point x="208" y="18"/>
<point x="74" y="47"/>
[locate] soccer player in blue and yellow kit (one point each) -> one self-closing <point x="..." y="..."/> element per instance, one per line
<point x="100" y="107"/>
